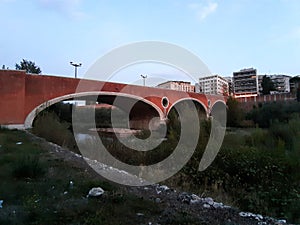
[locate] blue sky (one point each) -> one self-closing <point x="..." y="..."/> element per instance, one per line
<point x="226" y="35"/>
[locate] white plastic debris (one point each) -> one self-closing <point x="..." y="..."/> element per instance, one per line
<point x="1" y="201"/>
<point x="281" y="221"/>
<point x="71" y="184"/>
<point x="140" y="214"/>
<point x="95" y="192"/>
<point x="19" y="143"/>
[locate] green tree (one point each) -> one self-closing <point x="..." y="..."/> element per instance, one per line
<point x="296" y="87"/>
<point x="29" y="66"/>
<point x="267" y="85"/>
<point x="234" y="114"/>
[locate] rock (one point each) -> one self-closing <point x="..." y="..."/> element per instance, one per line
<point x="259" y="217"/>
<point x="217" y="205"/>
<point x="161" y="188"/>
<point x="157" y="200"/>
<point x="95" y="192"/>
<point x="209" y="201"/>
<point x="243" y="214"/>
<point x="207" y="206"/>
<point x="279" y="222"/>
<point x="184" y="197"/>
<point x="195" y="199"/>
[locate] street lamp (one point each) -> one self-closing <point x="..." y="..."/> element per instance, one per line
<point x="75" y="65"/>
<point x="144" y="79"/>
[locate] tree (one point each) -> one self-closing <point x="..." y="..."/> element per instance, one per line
<point x="295" y="81"/>
<point x="29" y="66"/>
<point x="234" y="113"/>
<point x="267" y="85"/>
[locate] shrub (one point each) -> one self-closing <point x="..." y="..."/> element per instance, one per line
<point x="28" y="167"/>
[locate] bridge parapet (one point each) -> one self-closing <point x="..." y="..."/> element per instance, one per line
<point x="23" y="96"/>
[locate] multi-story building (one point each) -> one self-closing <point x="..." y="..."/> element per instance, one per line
<point x="245" y="83"/>
<point x="215" y="85"/>
<point x="230" y="85"/>
<point x="178" y="86"/>
<point x="281" y="83"/>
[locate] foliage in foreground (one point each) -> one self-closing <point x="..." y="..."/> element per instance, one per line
<point x="256" y="169"/>
<point x="46" y="197"/>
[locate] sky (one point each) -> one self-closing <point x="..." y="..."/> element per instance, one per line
<point x="226" y="35"/>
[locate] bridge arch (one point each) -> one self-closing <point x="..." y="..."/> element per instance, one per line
<point x="219" y="112"/>
<point x="199" y="104"/>
<point x="139" y="100"/>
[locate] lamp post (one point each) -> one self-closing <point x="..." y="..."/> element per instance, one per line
<point x="144" y="79"/>
<point x="75" y="65"/>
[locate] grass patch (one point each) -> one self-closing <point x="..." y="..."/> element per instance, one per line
<point x="35" y="187"/>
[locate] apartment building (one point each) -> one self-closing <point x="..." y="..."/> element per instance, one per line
<point x="214" y="85"/>
<point x="178" y="86"/>
<point x="230" y="85"/>
<point x="281" y="83"/>
<point x="245" y="83"/>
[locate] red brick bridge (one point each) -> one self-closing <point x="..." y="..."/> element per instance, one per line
<point x="23" y="96"/>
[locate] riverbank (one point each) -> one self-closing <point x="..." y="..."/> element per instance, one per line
<point x="58" y="193"/>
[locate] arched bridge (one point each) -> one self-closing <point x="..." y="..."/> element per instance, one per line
<point x="23" y="96"/>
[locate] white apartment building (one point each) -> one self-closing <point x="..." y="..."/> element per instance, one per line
<point x="178" y="86"/>
<point x="280" y="81"/>
<point x="214" y="85"/>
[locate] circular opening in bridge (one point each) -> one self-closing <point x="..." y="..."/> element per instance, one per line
<point x="208" y="103"/>
<point x="165" y="102"/>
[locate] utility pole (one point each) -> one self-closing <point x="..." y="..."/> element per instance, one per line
<point x="75" y="65"/>
<point x="144" y="79"/>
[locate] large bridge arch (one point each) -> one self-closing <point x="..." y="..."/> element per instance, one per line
<point x="200" y="105"/>
<point x="219" y="112"/>
<point x="139" y="122"/>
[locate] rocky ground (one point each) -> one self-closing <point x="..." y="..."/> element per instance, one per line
<point x="186" y="207"/>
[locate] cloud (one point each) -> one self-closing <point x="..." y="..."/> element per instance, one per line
<point x="70" y="8"/>
<point x="202" y="11"/>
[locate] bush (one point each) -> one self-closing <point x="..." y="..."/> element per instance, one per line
<point x="28" y="167"/>
<point x="49" y="126"/>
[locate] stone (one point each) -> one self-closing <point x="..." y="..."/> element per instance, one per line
<point x="207" y="206"/>
<point x="157" y="200"/>
<point x="217" y="205"/>
<point x="279" y="222"/>
<point x="243" y="214"/>
<point x="184" y="197"/>
<point x="95" y="192"/>
<point x="161" y="188"/>
<point x="209" y="201"/>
